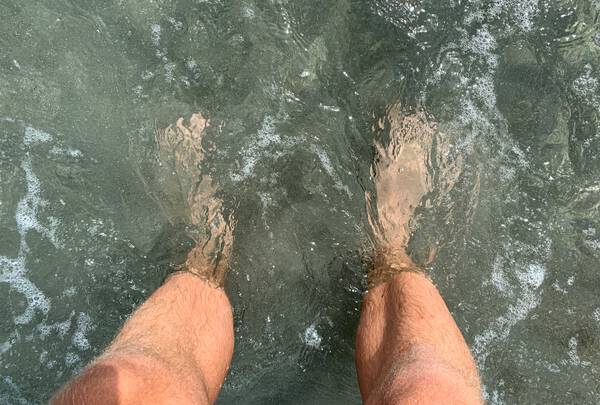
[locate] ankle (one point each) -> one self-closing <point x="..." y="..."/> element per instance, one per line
<point x="390" y="263"/>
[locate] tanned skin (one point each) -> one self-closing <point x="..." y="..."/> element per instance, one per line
<point x="175" y="349"/>
<point x="409" y="349"/>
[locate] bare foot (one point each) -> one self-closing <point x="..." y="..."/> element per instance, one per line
<point x="401" y="175"/>
<point x="181" y="147"/>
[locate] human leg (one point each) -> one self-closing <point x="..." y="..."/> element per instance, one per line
<point x="408" y="346"/>
<point x="176" y="348"/>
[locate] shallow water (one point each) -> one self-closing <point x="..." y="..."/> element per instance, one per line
<point x="89" y="219"/>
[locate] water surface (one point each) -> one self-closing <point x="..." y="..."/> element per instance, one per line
<point x="89" y="221"/>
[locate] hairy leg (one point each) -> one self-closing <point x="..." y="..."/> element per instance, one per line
<point x="175" y="349"/>
<point x="408" y="347"/>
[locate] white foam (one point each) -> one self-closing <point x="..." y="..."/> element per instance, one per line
<point x="170" y="71"/>
<point x="176" y="24"/>
<point x="247" y="169"/>
<point x="266" y="137"/>
<point x="572" y="353"/>
<point x="13" y="270"/>
<point x="33" y="135"/>
<point x="405" y="15"/>
<point x="13" y="273"/>
<point x="62" y="328"/>
<point x="530" y="279"/>
<point x="326" y="163"/>
<point x="84" y="326"/>
<point x="72" y="359"/>
<point x="478" y="101"/>
<point x="483" y="44"/>
<point x="596" y="315"/>
<point x="331" y="108"/>
<point x="191" y="64"/>
<point x="68" y="152"/>
<point x="521" y="12"/>
<point x="499" y="278"/>
<point x="69" y="292"/>
<point x="311" y="337"/>
<point x="4" y="399"/>
<point x="484" y="90"/>
<point x="27" y="208"/>
<point x="138" y="91"/>
<point x="266" y="134"/>
<point x="169" y="66"/>
<point x="155" y="31"/>
<point x="586" y="87"/>
<point x="147" y="75"/>
<point x="557" y="287"/>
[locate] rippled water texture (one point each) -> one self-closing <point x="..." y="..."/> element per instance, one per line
<point x="93" y="211"/>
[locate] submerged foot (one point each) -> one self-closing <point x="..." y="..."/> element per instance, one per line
<point x="401" y="172"/>
<point x="212" y="231"/>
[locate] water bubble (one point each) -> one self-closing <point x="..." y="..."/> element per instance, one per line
<point x="311" y="337"/>
<point x="155" y="31"/>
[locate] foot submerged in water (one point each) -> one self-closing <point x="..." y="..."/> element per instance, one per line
<point x="401" y="173"/>
<point x="212" y="232"/>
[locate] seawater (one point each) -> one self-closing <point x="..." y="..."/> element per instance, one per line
<point x="90" y="220"/>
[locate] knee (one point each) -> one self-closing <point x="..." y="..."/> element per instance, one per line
<point x="130" y="381"/>
<point x="435" y="386"/>
<point x="152" y="382"/>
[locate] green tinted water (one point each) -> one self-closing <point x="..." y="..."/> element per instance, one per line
<point x="294" y="86"/>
